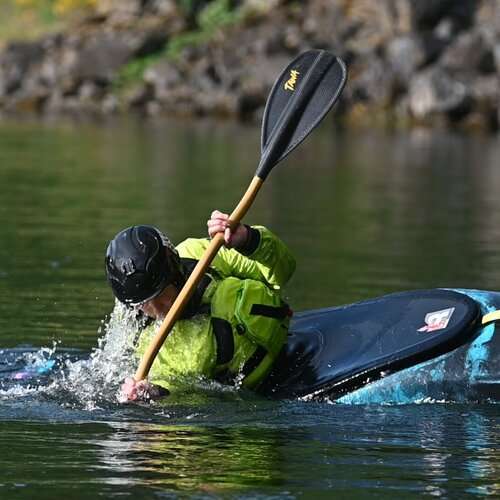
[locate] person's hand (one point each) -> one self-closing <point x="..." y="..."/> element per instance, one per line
<point x="143" y="390"/>
<point x="235" y="237"/>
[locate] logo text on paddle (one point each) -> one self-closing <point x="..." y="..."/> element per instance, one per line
<point x="437" y="320"/>
<point x="290" y="83"/>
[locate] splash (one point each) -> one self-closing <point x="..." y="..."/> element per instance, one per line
<point x="93" y="383"/>
<point x="72" y="378"/>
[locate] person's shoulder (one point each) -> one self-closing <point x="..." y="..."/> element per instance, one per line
<point x="192" y="247"/>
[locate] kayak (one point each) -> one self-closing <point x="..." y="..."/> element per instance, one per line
<point x="423" y="345"/>
<point x="438" y="343"/>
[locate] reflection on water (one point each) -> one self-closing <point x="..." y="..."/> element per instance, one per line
<point x="193" y="458"/>
<point x="409" y="450"/>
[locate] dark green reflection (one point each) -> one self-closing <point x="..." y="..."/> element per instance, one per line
<point x="299" y="450"/>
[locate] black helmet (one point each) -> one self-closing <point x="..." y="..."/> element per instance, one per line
<point x="140" y="263"/>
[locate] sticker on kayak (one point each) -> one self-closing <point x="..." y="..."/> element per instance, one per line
<point x="437" y="320"/>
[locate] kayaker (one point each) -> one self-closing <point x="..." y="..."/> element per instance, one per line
<point x="235" y="324"/>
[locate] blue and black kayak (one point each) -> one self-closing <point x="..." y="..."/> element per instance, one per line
<point x="437" y="343"/>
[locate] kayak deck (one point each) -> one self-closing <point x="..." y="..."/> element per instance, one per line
<point x="337" y="350"/>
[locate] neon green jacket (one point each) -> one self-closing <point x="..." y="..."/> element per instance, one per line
<point x="245" y="324"/>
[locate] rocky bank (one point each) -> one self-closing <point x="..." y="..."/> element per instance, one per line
<point x="410" y="61"/>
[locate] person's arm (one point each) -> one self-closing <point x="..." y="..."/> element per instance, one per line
<point x="188" y="353"/>
<point x="250" y="252"/>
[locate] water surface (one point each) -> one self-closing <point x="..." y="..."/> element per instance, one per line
<point x="365" y="213"/>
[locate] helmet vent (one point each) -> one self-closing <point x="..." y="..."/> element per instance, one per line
<point x="128" y="267"/>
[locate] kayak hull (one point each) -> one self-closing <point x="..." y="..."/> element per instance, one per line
<point x="396" y="348"/>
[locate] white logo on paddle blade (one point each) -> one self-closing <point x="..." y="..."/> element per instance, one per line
<point x="437" y="320"/>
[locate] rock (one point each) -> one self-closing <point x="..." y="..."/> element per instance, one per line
<point x="164" y="8"/>
<point x="427" y="14"/>
<point x="119" y="11"/>
<point x="102" y="55"/>
<point x="496" y="55"/>
<point x="31" y="102"/>
<point x="140" y="96"/>
<point x="488" y="20"/>
<point x="259" y="8"/>
<point x="293" y="38"/>
<point x="255" y="82"/>
<point x="110" y="104"/>
<point x="153" y="108"/>
<point x="145" y="43"/>
<point x="89" y="92"/>
<point x="419" y="58"/>
<point x="250" y="99"/>
<point x="486" y="91"/>
<point x="15" y="61"/>
<point x="375" y="23"/>
<point x="405" y="55"/>
<point x="161" y="78"/>
<point x="218" y="103"/>
<point x="468" y="53"/>
<point x="100" y="58"/>
<point x="55" y="102"/>
<point x="488" y="24"/>
<point x="445" y="30"/>
<point x="374" y="82"/>
<point x="434" y="91"/>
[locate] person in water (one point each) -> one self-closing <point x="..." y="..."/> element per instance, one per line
<point x="236" y="322"/>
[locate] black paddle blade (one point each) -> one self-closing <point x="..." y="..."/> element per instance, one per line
<point x="300" y="98"/>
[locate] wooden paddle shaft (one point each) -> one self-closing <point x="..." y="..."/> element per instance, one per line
<point x="193" y="280"/>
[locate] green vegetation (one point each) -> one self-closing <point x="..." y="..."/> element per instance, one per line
<point x="35" y="18"/>
<point x="214" y="16"/>
<point x="211" y="18"/>
<point x="31" y="19"/>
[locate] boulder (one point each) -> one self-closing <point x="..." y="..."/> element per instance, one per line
<point x="373" y="24"/>
<point x="119" y="12"/>
<point x="427" y="14"/>
<point x="161" y="78"/>
<point x="373" y="83"/>
<point x="405" y="55"/>
<point x="488" y="24"/>
<point x="496" y="55"/>
<point x="434" y="91"/>
<point x="486" y="91"/>
<point x="468" y="53"/>
<point x="324" y="24"/>
<point x="100" y="58"/>
<point x="15" y="62"/>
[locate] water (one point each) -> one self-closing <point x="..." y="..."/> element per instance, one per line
<point x="366" y="213"/>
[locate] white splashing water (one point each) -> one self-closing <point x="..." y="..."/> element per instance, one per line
<point x="89" y="383"/>
<point x="96" y="380"/>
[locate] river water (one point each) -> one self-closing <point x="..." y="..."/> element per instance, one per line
<point x="365" y="213"/>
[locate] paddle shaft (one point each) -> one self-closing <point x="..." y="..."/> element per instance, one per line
<point x="190" y="286"/>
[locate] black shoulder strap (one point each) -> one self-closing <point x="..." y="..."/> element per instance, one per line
<point x="224" y="339"/>
<point x="271" y="311"/>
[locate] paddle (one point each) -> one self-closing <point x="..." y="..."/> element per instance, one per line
<point x="300" y="98"/>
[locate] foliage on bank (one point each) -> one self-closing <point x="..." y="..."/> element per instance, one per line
<point x="432" y="62"/>
<point x="205" y="22"/>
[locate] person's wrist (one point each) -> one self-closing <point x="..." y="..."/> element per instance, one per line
<point x="251" y="242"/>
